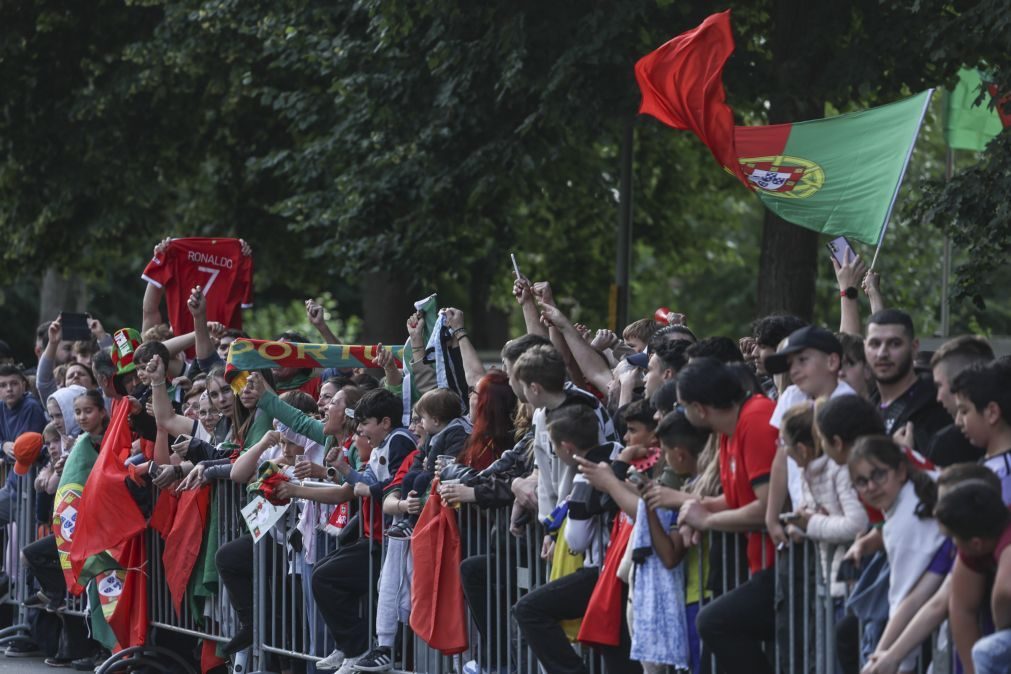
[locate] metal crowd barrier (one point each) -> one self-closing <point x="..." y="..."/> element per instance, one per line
<point x="287" y="625"/>
<point x="18" y="532"/>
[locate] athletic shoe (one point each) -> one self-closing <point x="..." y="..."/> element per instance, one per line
<point x="59" y="662"/>
<point x="379" y="659"/>
<point x="23" y="648"/>
<point x="37" y="600"/>
<point x="350" y="665"/>
<point x="242" y="640"/>
<point x="402" y="530"/>
<point x="471" y="667"/>
<point x="332" y="661"/>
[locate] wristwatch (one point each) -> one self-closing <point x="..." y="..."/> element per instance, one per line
<point x="849" y="293"/>
<point x="331" y="474"/>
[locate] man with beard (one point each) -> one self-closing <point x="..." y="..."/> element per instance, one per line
<point x="909" y="403"/>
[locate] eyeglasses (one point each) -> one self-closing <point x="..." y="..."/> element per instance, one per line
<point x="204" y="414"/>
<point x="877" y="476"/>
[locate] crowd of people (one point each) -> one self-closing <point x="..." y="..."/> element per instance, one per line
<point x="638" y="460"/>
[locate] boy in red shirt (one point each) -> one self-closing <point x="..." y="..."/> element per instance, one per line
<point x="734" y="626"/>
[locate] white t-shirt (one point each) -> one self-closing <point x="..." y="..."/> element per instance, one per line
<point x="791" y="397"/>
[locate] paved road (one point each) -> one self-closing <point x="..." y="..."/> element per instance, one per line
<point x="26" y="666"/>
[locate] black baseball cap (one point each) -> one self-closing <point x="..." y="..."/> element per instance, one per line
<point x="808" y="337"/>
<point x="640" y="359"/>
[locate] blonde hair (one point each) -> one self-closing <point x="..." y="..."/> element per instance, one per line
<point x="797" y="425"/>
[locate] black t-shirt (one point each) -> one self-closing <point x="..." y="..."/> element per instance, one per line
<point x="919" y="405"/>
<point x="949" y="446"/>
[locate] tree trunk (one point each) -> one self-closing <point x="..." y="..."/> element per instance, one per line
<point x="787" y="269"/>
<point x="61" y="293"/>
<point x="789" y="257"/>
<point x="386" y="304"/>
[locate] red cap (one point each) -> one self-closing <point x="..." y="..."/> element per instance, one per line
<point x="26" y="452"/>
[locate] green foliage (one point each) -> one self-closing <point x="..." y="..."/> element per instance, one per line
<point x="432" y="138"/>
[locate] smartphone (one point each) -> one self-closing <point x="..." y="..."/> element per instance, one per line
<point x="75" y="327"/>
<point x="516" y="267"/>
<point x="838" y="247"/>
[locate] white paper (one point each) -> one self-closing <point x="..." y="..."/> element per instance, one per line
<point x="261" y="515"/>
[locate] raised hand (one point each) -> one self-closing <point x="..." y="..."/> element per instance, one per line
<point x="314" y="312"/>
<point x="197" y="303"/>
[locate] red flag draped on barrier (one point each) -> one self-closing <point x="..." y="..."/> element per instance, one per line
<point x="129" y="618"/>
<point x="181" y="521"/>
<point x="605" y="603"/>
<point x="682" y="86"/>
<point x="107" y="515"/>
<point x="437" y="612"/>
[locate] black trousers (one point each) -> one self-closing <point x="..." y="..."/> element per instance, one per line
<point x="734" y="626"/>
<point x="43" y="560"/>
<point x="484" y="577"/>
<point x="539" y="613"/>
<point x="340" y="581"/>
<point x="234" y="561"/>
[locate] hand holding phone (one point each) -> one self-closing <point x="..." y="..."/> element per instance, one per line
<point x="841" y="250"/>
<point x="75" y="327"/>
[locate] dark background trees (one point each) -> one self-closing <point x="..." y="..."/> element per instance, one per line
<point x="382" y="149"/>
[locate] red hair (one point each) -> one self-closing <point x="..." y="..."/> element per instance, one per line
<point x="493" y="421"/>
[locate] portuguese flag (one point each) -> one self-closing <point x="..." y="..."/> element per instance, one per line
<point x="839" y="175"/>
<point x="968" y="126"/>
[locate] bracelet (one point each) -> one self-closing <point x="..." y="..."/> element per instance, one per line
<point x="157" y="383"/>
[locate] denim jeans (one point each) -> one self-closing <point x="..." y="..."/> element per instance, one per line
<point x="992" y="654"/>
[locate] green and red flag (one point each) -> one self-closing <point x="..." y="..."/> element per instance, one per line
<point x="68" y="502"/>
<point x="968" y="125"/>
<point x="816" y="175"/>
<point x="245" y="355"/>
<point x="108" y="515"/>
<point x="838" y="175"/>
<point x="682" y="86"/>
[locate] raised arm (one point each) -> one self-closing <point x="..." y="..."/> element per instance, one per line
<point x="872" y="287"/>
<point x="849" y="275"/>
<point x="274" y="407"/>
<point x="153" y="294"/>
<point x="523" y="292"/>
<point x="164" y="414"/>
<point x="317" y="318"/>
<point x="44" y="380"/>
<point x="197" y="304"/>
<point x="245" y="466"/>
<point x="591" y="363"/>
<point x="472" y="366"/>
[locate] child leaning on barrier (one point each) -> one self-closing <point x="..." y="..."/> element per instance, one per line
<point x="682" y="446"/>
<point x="440" y="412"/>
<point x="886" y="480"/>
<point x="891" y="651"/>
<point x="975" y="516"/>
<point x="830" y="512"/>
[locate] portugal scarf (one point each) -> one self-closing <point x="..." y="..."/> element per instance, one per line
<point x="259" y="354"/>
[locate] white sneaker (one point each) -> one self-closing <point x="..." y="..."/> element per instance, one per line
<point x="332" y="661"/>
<point x="349" y="665"/>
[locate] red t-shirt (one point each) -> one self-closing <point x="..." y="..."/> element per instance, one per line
<point x="987" y="565"/>
<point x="216" y="265"/>
<point x="746" y="461"/>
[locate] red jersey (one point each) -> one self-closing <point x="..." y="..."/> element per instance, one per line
<point x="746" y="461"/>
<point x="216" y="265"/>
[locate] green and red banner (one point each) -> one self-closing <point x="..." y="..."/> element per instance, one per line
<point x="968" y="126"/>
<point x="838" y="175"/>
<point x="245" y="355"/>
